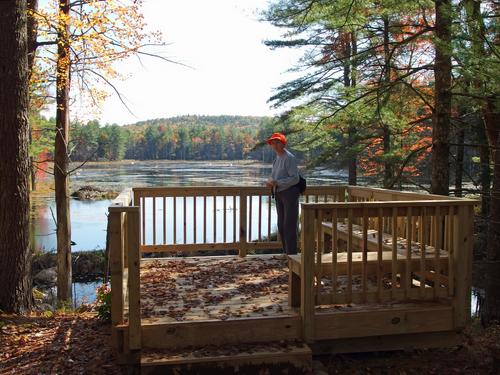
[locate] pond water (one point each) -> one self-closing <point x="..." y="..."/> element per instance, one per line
<point x="89" y="218"/>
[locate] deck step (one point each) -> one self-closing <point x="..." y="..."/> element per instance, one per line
<point x="291" y="358"/>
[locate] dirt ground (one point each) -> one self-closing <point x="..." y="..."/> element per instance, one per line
<point x="78" y="343"/>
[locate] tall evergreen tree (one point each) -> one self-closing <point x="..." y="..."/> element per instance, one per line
<point x="15" y="259"/>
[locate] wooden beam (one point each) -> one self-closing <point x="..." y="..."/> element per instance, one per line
<point x="346" y="324"/>
<point x="307" y="273"/>
<point x="293" y="358"/>
<point x="134" y="296"/>
<point x="217" y="332"/>
<point x="116" y="265"/>
<point x="462" y="244"/>
<point x="387" y="342"/>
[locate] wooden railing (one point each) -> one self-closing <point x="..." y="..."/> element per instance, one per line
<point x="380" y="251"/>
<point x="124" y="257"/>
<point x="187" y="219"/>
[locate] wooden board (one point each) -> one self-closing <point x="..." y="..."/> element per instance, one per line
<point x="372" y="240"/>
<point x="207" y="288"/>
<point x="398" y="320"/>
<point x="245" y="358"/>
<point x="171" y="335"/>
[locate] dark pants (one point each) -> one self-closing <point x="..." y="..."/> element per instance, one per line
<point x="287" y="206"/>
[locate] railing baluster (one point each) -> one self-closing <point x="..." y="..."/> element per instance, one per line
<point x="451" y="251"/>
<point x="234" y="218"/>
<point x="269" y="218"/>
<point x="260" y="218"/>
<point x="349" y="256"/>
<point x="394" y="266"/>
<point x="364" y="264"/>
<point x="408" y="276"/>
<point x="175" y="219"/>
<point x="143" y="200"/>
<point x="224" y="218"/>
<point x="250" y="200"/>
<point x="437" y="251"/>
<point x="194" y="218"/>
<point x="154" y="220"/>
<point x="422" y="253"/>
<point x="164" y="220"/>
<point x="334" y="253"/>
<point x="205" y="214"/>
<point x="243" y="225"/>
<point x="215" y="217"/>
<point x="319" y="251"/>
<point x="380" y="269"/>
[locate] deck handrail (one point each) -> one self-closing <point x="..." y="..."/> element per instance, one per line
<point x="241" y="217"/>
<point x="443" y="226"/>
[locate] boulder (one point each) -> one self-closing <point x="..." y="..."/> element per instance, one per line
<point x="46" y="277"/>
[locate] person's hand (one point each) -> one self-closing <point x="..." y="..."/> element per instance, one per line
<point x="271" y="183"/>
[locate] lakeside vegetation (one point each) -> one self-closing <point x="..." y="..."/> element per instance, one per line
<point x="188" y="137"/>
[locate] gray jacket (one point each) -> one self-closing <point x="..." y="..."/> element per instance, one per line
<point x="285" y="171"/>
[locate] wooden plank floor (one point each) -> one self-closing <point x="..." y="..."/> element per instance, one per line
<point x="207" y="288"/>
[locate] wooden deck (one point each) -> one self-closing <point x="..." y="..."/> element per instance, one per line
<point x="378" y="270"/>
<point x="214" y="288"/>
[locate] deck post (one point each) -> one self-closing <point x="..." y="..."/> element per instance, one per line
<point x="116" y="265"/>
<point x="462" y="243"/>
<point x="243" y="225"/>
<point x="133" y="244"/>
<point x="308" y="243"/>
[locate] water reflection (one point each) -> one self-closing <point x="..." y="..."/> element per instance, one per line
<point x="85" y="293"/>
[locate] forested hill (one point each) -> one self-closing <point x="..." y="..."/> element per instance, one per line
<point x="200" y="120"/>
<point x="190" y="137"/>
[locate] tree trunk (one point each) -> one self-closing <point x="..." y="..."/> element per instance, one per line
<point x="32" y="26"/>
<point x="349" y="81"/>
<point x="491" y="307"/>
<point x="490" y="311"/>
<point x="61" y="160"/>
<point x="475" y="26"/>
<point x="32" y="171"/>
<point x="459" y="166"/>
<point x="442" y="99"/>
<point x="386" y="131"/>
<point x="484" y="157"/>
<point x="15" y="259"/>
<point x="491" y="120"/>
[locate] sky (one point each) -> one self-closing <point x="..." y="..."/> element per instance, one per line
<point x="230" y="71"/>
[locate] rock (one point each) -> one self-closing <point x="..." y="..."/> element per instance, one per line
<point x="88" y="192"/>
<point x="47" y="276"/>
<point x="44" y="307"/>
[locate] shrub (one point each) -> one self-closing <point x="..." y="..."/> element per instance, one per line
<point x="102" y="303"/>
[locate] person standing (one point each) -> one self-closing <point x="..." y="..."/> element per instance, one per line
<point x="283" y="181"/>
